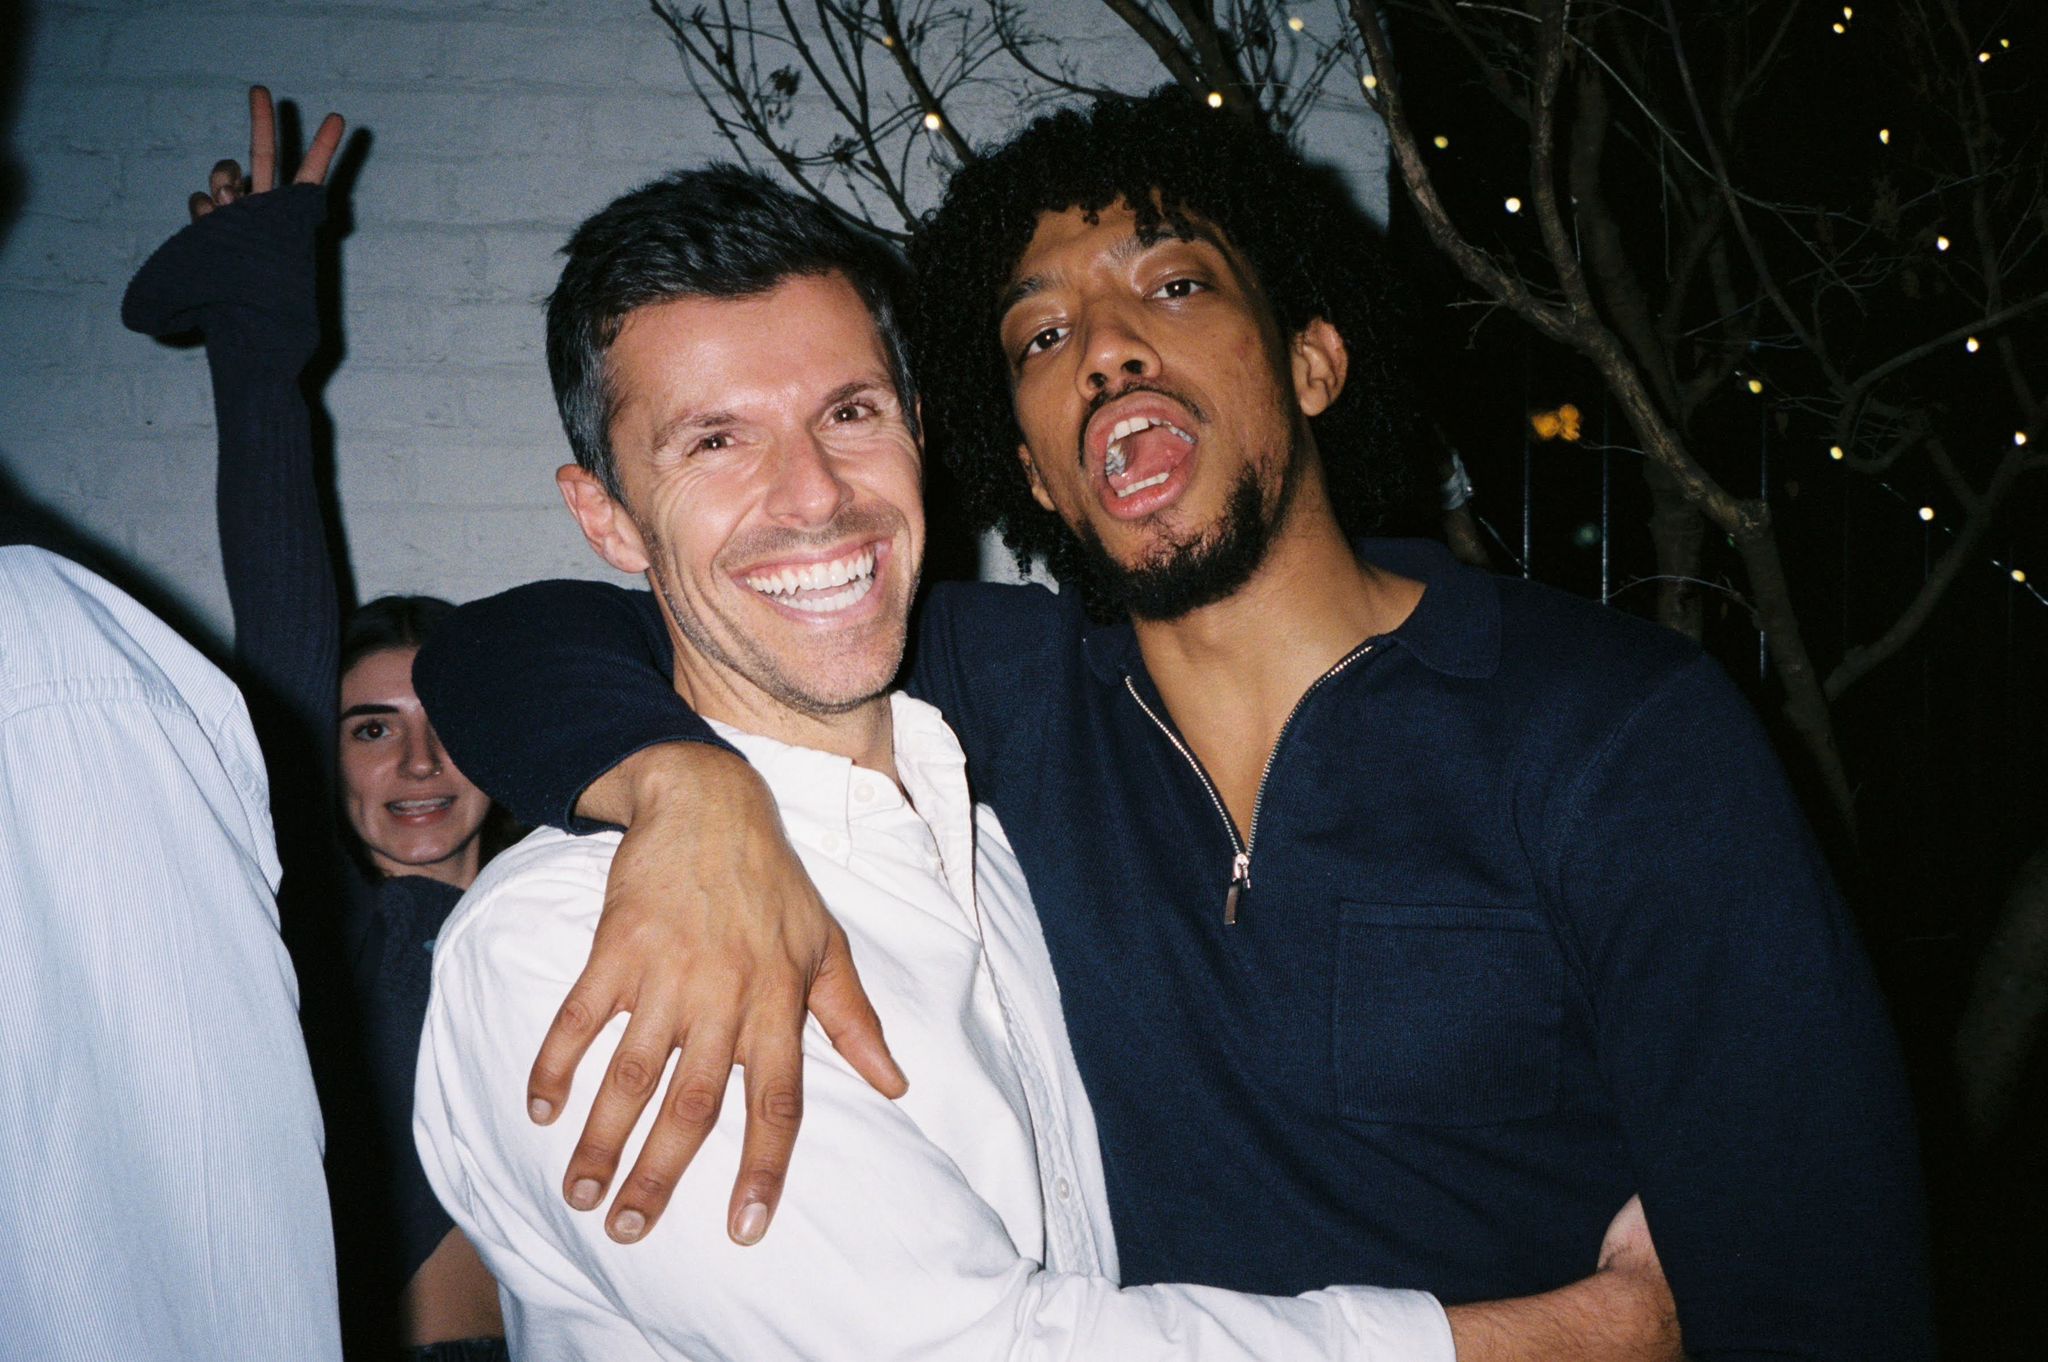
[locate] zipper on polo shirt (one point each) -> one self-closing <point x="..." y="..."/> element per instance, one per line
<point x="1241" y="848"/>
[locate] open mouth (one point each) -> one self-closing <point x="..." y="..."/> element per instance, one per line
<point x="1135" y="459"/>
<point x="820" y="588"/>
<point x="419" y="808"/>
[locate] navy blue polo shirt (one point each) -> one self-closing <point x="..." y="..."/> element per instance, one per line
<point x="1533" y="924"/>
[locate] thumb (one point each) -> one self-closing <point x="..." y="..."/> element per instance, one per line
<point x="841" y="1006"/>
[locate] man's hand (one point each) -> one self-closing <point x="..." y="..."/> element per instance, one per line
<point x="1622" y="1313"/>
<point x="226" y="183"/>
<point x="714" y="939"/>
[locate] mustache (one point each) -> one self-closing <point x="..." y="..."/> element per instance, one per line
<point x="852" y="522"/>
<point x="1104" y="398"/>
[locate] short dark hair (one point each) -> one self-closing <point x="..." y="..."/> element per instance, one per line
<point x="1176" y="163"/>
<point x="390" y="622"/>
<point x="717" y="232"/>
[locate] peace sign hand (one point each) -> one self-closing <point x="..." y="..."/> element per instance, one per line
<point x="226" y="183"/>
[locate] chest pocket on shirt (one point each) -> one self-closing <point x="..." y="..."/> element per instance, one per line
<point x="1446" y="1015"/>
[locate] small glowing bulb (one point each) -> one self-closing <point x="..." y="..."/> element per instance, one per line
<point x="1848" y="12"/>
<point x="1941" y="243"/>
<point x="1297" y="23"/>
<point x="1971" y="345"/>
<point x="1756" y="385"/>
<point x="2019" y="437"/>
<point x="1514" y="205"/>
<point x="1215" y="99"/>
<point x="888" y="41"/>
<point x="1983" y="56"/>
<point x="1370" y="82"/>
<point x="1841" y="28"/>
<point x="1927" y="513"/>
<point x="1835" y="453"/>
<point x="1884" y="135"/>
<point x="2019" y="575"/>
<point x="2005" y="43"/>
<point x="931" y="122"/>
<point x="1441" y="142"/>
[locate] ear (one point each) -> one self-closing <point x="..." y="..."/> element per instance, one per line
<point x="1038" y="492"/>
<point x="602" y="518"/>
<point x="1320" y="363"/>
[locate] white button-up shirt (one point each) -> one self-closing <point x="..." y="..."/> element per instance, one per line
<point x="966" y="1220"/>
<point x="160" y="1186"/>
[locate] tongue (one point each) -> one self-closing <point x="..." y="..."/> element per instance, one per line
<point x="1148" y="454"/>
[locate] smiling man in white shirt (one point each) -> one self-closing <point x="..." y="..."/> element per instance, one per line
<point x="727" y="364"/>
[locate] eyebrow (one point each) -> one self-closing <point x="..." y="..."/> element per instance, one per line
<point x="1136" y="244"/>
<point x="357" y="711"/>
<point x="859" y="387"/>
<point x="691" y="420"/>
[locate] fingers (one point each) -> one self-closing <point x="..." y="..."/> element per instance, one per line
<point x="590" y="1004"/>
<point x="262" y="141"/>
<point x="841" y="1006"/>
<point x="320" y="155"/>
<point x="224" y="182"/>
<point x="696" y="1092"/>
<point x="628" y="1084"/>
<point x="775" y="1108"/>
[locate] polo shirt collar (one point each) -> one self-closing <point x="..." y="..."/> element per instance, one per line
<point x="1454" y="629"/>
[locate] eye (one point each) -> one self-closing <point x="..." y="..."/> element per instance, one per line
<point x="711" y="444"/>
<point x="1043" y="340"/>
<point x="848" y="412"/>
<point x="1176" y="289"/>
<point x="370" y="730"/>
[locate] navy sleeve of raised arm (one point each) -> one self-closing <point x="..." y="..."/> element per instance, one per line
<point x="538" y="691"/>
<point x="1743" y="1039"/>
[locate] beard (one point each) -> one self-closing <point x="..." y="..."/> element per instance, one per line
<point x="1201" y="567"/>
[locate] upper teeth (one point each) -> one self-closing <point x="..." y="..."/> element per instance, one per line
<point x="856" y="568"/>
<point x="1115" y="463"/>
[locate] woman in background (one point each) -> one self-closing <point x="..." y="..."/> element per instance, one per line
<point x="347" y="744"/>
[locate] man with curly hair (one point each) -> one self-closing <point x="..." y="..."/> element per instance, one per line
<point x="1406" y="919"/>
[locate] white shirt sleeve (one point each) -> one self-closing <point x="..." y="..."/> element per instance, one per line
<point x="880" y="1249"/>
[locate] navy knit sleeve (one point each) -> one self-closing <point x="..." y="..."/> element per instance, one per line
<point x="1743" y="1039"/>
<point x="538" y="691"/>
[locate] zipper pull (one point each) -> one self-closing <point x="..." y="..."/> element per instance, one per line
<point x="1240" y="880"/>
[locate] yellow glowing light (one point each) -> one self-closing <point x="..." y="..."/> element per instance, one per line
<point x="1848" y="12"/>
<point x="1296" y="24"/>
<point x="1513" y="205"/>
<point x="1371" y="82"/>
<point x="1983" y="56"/>
<point x="2019" y="575"/>
<point x="1841" y="28"/>
<point x="1441" y="142"/>
<point x="1884" y="135"/>
<point x="1835" y="452"/>
<point x="1927" y="513"/>
<point x="1562" y="424"/>
<point x="2005" y="43"/>
<point x="1941" y="243"/>
<point x="2019" y="437"/>
<point x="1971" y="345"/>
<point x="1215" y="100"/>
<point x="888" y="41"/>
<point x="1756" y="385"/>
<point x="931" y="122"/>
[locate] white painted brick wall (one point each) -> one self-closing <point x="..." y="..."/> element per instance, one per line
<point x="497" y="125"/>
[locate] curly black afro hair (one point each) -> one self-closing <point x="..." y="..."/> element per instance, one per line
<point x="1176" y="161"/>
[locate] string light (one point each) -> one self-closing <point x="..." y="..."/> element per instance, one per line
<point x="1848" y="12"/>
<point x="1884" y="135"/>
<point x="1297" y="23"/>
<point x="1927" y="513"/>
<point x="1983" y="56"/>
<point x="1971" y="345"/>
<point x="1215" y="99"/>
<point x="931" y="122"/>
<point x="1513" y="205"/>
<point x="1941" y="243"/>
<point x="1756" y="385"/>
<point x="1835" y="453"/>
<point x="2019" y="575"/>
<point x="1441" y="142"/>
<point x="1841" y="28"/>
<point x="1370" y="81"/>
<point x="888" y="41"/>
<point x="2019" y="437"/>
<point x="2005" y="43"/>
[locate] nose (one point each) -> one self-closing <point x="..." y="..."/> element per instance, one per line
<point x="807" y="487"/>
<point x="423" y="757"/>
<point x="1114" y="352"/>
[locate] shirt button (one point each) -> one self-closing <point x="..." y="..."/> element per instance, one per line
<point x="1063" y="1189"/>
<point x="833" y="843"/>
<point x="863" y="793"/>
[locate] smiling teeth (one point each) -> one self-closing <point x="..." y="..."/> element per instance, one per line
<point x="404" y="807"/>
<point x="855" y="573"/>
<point x="1114" y="464"/>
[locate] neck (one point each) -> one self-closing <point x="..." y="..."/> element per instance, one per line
<point x="460" y="869"/>
<point x="1309" y="602"/>
<point x="864" y="734"/>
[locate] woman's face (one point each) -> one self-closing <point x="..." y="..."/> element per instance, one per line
<point x="412" y="809"/>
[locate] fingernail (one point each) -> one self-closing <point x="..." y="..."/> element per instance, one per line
<point x="753" y="1223"/>
<point x="540" y="1109"/>
<point x="628" y="1224"/>
<point x="585" y="1193"/>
